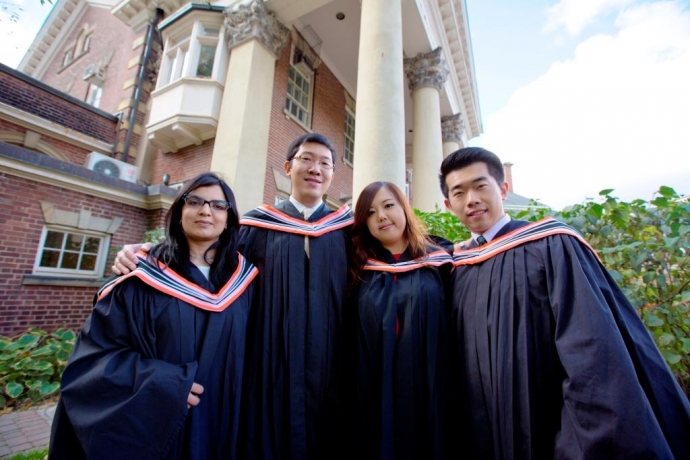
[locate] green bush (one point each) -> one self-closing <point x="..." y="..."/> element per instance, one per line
<point x="646" y="248"/>
<point x="31" y="365"/>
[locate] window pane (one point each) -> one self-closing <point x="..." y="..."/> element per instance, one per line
<point x="69" y="260"/>
<point x="88" y="262"/>
<point x="206" y="55"/>
<point x="92" y="244"/>
<point x="291" y="74"/>
<point x="49" y="258"/>
<point x="298" y="80"/>
<point x="54" y="240"/>
<point x="74" y="242"/>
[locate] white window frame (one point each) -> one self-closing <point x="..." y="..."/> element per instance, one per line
<point x="290" y="99"/>
<point x="349" y="152"/>
<point x="94" y="95"/>
<point x="183" y="51"/>
<point x="101" y="255"/>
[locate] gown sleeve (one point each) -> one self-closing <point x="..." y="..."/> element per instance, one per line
<point x="117" y="398"/>
<point x="620" y="398"/>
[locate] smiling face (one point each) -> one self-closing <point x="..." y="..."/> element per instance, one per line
<point x="386" y="221"/>
<point x="202" y="224"/>
<point x="475" y="197"/>
<point x="310" y="181"/>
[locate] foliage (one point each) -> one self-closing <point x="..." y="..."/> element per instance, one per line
<point x="32" y="455"/>
<point x="646" y="248"/>
<point x="31" y="365"/>
<point x="155" y="236"/>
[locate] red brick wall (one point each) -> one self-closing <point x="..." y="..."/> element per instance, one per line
<point x="183" y="164"/>
<point x="48" y="307"/>
<point x="24" y="93"/>
<point x="109" y="36"/>
<point x="328" y="118"/>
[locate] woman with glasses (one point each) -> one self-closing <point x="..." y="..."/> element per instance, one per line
<point x="402" y="340"/>
<point x="157" y="369"/>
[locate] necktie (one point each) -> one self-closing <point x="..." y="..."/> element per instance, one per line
<point x="306" y="237"/>
<point x="481" y="240"/>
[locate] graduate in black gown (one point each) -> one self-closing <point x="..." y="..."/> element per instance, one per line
<point x="157" y="369"/>
<point x="402" y="376"/>
<point x="296" y="376"/>
<point x="553" y="359"/>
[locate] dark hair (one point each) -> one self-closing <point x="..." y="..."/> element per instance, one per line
<point x="465" y="157"/>
<point x="174" y="249"/>
<point x="310" y="137"/>
<point x="364" y="245"/>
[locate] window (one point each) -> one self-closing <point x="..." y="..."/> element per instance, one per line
<point x="69" y="56"/>
<point x="349" y="155"/>
<point x="299" y="92"/>
<point x="94" y="95"/>
<point x="190" y="54"/>
<point x="71" y="253"/>
<point x="87" y="43"/>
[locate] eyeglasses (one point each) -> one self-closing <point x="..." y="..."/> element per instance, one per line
<point x="195" y="201"/>
<point x="308" y="161"/>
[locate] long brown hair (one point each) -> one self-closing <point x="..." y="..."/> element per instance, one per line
<point x="364" y="244"/>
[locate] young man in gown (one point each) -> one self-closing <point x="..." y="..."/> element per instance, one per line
<point x="555" y="362"/>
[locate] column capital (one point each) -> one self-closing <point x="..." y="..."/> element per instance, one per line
<point x="426" y="70"/>
<point x="452" y="128"/>
<point x="253" y="21"/>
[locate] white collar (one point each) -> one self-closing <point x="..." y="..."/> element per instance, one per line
<point x="495" y="228"/>
<point x="304" y="210"/>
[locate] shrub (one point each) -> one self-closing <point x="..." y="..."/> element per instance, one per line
<point x="31" y="365"/>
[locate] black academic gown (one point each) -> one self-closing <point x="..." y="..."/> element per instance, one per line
<point x="555" y="361"/>
<point x="402" y="357"/>
<point x="124" y="391"/>
<point x="295" y="376"/>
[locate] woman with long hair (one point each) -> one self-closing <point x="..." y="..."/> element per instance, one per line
<point x="157" y="369"/>
<point x="402" y="340"/>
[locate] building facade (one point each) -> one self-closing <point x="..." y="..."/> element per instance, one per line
<point x="227" y="85"/>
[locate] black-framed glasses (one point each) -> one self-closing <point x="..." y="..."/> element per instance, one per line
<point x="309" y="161"/>
<point x="195" y="201"/>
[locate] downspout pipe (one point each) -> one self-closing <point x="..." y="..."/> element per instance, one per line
<point x="150" y="34"/>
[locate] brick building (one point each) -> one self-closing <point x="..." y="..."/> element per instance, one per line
<point x="116" y="100"/>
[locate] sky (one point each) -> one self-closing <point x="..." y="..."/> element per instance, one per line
<point x="585" y="95"/>
<point x="580" y="95"/>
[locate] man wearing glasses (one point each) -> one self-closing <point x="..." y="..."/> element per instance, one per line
<point x="294" y="369"/>
<point x="294" y="380"/>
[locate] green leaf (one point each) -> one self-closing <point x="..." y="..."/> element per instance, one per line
<point x="666" y="339"/>
<point x="14" y="389"/>
<point x="652" y="320"/>
<point x="65" y="334"/>
<point x="49" y="388"/>
<point x="660" y="202"/>
<point x="617" y="277"/>
<point x="668" y="192"/>
<point x="686" y="345"/>
<point x="671" y="357"/>
<point x="606" y="192"/>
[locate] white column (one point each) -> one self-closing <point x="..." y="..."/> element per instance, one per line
<point x="452" y="128"/>
<point x="380" y="124"/>
<point x="256" y="39"/>
<point x="426" y="74"/>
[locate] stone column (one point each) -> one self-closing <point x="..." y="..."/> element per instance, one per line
<point x="426" y="73"/>
<point x="452" y="128"/>
<point x="380" y="122"/>
<point x="256" y="39"/>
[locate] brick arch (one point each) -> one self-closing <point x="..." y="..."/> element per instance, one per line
<point x="13" y="137"/>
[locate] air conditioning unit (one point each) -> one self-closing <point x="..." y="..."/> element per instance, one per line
<point x="302" y="62"/>
<point x="111" y="167"/>
<point x="94" y="74"/>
